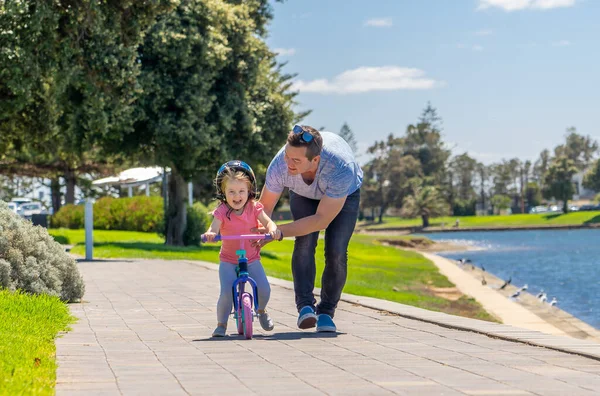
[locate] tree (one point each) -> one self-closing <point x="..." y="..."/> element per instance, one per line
<point x="387" y="175"/>
<point x="578" y="148"/>
<point x="501" y="178"/>
<point x="424" y="142"/>
<point x="591" y="180"/>
<point x="348" y="135"/>
<point x="425" y="202"/>
<point x="541" y="166"/>
<point x="516" y="188"/>
<point x="524" y="183"/>
<point x="212" y="91"/>
<point x="558" y="181"/>
<point x="483" y="173"/>
<point x="68" y="77"/>
<point x="500" y="202"/>
<point x="533" y="194"/>
<point x="464" y="168"/>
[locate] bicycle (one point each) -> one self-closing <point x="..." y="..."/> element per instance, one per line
<point x="243" y="301"/>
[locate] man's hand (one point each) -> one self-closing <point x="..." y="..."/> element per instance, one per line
<point x="261" y="242"/>
<point x="276" y="235"/>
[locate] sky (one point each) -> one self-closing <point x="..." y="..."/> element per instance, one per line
<point x="508" y="77"/>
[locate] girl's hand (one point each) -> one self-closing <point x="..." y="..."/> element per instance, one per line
<point x="210" y="236"/>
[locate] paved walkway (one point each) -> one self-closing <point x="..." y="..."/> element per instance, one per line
<point x="144" y="328"/>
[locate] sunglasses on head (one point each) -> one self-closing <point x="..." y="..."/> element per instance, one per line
<point x="306" y="136"/>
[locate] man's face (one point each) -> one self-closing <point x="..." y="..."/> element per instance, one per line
<point x="297" y="163"/>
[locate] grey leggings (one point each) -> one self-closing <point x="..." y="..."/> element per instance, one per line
<point x="227" y="276"/>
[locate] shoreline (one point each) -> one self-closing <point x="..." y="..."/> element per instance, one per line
<point x="405" y="230"/>
<point x="525" y="311"/>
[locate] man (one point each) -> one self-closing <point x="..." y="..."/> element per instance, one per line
<point x="324" y="182"/>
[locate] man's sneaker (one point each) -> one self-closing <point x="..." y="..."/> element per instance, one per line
<point x="325" y="324"/>
<point x="265" y="321"/>
<point x="219" y="331"/>
<point x="307" y="318"/>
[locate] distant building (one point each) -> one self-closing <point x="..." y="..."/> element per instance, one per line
<point x="580" y="191"/>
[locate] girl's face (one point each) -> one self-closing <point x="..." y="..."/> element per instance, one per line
<point x="236" y="193"/>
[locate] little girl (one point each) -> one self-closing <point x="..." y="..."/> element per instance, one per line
<point x="237" y="213"/>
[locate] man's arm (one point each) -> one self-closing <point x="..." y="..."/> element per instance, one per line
<point x="269" y="199"/>
<point x="327" y="210"/>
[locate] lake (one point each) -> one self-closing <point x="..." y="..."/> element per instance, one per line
<point x="564" y="263"/>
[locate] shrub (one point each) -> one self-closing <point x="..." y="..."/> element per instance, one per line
<point x="69" y="216"/>
<point x="32" y="261"/>
<point x="198" y="220"/>
<point x="127" y="214"/>
<point x="464" y="207"/>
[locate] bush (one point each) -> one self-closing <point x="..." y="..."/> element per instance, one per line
<point x="198" y="220"/>
<point x="464" y="207"/>
<point x="127" y="214"/>
<point x="32" y="261"/>
<point x="69" y="216"/>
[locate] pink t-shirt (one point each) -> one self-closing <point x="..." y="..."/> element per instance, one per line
<point x="238" y="225"/>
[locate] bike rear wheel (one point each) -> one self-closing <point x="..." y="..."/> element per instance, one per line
<point x="247" y="315"/>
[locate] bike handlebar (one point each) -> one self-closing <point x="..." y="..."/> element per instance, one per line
<point x="252" y="237"/>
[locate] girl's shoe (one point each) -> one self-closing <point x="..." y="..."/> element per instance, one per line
<point x="265" y="321"/>
<point x="220" y="331"/>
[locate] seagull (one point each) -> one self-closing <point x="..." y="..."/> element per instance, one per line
<point x="553" y="302"/>
<point x="524" y="287"/>
<point x="482" y="268"/>
<point x="506" y="283"/>
<point x="516" y="294"/>
<point x="464" y="260"/>
<point x="543" y="298"/>
<point x="540" y="294"/>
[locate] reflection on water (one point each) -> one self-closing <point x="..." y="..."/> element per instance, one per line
<point x="565" y="263"/>
<point x="482" y="245"/>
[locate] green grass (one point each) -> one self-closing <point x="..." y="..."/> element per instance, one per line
<point x="73" y="237"/>
<point x="28" y="326"/>
<point x="535" y="219"/>
<point x="374" y="270"/>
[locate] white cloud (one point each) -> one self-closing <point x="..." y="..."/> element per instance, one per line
<point x="366" y="79"/>
<point x="285" y="51"/>
<point x="561" y="43"/>
<point x="379" y="22"/>
<point x="515" y="5"/>
<point x="484" y="32"/>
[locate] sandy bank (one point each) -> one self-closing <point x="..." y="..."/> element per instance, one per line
<point x="525" y="311"/>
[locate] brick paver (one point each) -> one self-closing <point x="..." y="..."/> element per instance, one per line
<point x="144" y="328"/>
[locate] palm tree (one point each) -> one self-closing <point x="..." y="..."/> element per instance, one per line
<point x="426" y="202"/>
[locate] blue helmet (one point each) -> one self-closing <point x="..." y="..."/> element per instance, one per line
<point x="235" y="166"/>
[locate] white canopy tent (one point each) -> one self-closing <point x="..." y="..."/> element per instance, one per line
<point x="135" y="177"/>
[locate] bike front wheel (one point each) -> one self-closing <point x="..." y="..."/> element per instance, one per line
<point x="247" y="315"/>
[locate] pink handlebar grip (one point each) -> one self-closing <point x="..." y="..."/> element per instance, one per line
<point x="252" y="237"/>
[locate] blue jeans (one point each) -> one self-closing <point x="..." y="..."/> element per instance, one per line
<point x="337" y="237"/>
